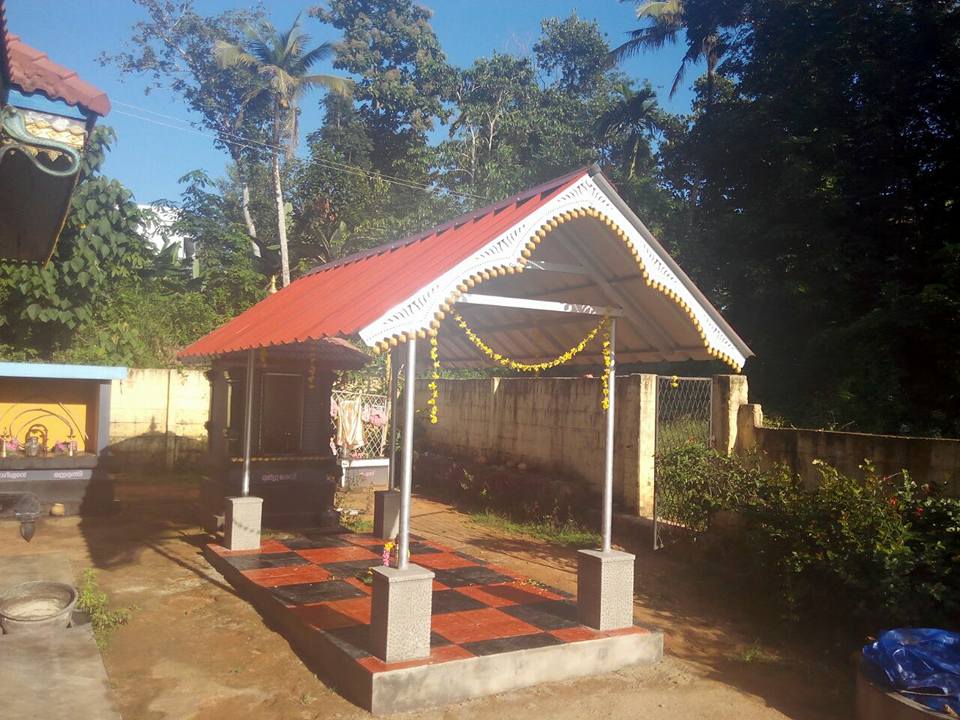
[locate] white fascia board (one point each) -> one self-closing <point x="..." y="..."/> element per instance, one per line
<point x="417" y="311"/>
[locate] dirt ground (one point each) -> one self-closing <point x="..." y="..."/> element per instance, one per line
<point x="194" y="650"/>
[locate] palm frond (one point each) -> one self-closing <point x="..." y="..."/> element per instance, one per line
<point x="229" y="55"/>
<point x="333" y="83"/>
<point x="312" y="57"/>
<point x="659" y="9"/>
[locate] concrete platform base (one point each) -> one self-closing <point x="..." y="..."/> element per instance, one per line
<point x="400" y="616"/>
<point x="386" y="514"/>
<point x="459" y="667"/>
<point x="403" y="690"/>
<point x="605" y="589"/>
<point x="241" y="524"/>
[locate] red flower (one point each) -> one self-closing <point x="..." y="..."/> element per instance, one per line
<point x="918" y="512"/>
<point x="893" y="502"/>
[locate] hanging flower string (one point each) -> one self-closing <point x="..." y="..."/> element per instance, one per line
<point x="534" y="367"/>
<point x="435" y="377"/>
<point x="607" y="363"/>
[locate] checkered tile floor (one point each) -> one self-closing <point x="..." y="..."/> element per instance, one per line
<point x="478" y="608"/>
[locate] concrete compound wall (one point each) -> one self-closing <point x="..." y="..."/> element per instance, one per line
<point x="158" y="418"/>
<point x="927" y="459"/>
<point x="552" y="423"/>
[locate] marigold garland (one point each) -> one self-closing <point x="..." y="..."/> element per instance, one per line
<point x="434" y="385"/>
<point x="607" y="364"/>
<point x="530" y="367"/>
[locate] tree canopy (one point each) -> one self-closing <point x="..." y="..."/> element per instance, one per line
<point x="809" y="190"/>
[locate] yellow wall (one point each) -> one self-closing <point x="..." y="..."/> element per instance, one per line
<point x="25" y="402"/>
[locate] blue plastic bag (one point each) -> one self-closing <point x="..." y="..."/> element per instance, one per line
<point x="922" y="664"/>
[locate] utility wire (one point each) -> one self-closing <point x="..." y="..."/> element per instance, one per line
<point x="251" y="144"/>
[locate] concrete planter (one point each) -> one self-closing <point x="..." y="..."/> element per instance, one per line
<point x="365" y="472"/>
<point x="38" y="606"/>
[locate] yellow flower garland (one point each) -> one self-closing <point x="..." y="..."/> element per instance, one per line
<point x="434" y="386"/>
<point x="529" y="367"/>
<point x="607" y="362"/>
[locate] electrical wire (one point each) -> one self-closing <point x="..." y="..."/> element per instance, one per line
<point x="251" y="144"/>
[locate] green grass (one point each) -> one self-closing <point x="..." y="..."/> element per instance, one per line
<point x="755" y="653"/>
<point x="92" y="600"/>
<point x="357" y="523"/>
<point x="569" y="534"/>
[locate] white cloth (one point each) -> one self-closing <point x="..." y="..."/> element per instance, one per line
<point x="350" y="425"/>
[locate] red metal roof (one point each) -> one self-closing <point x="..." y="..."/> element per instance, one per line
<point x="340" y="298"/>
<point x="31" y="71"/>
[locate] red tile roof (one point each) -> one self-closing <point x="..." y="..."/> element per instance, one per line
<point x="340" y="298"/>
<point x="31" y="71"/>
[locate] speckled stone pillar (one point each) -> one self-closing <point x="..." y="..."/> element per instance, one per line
<point x="241" y="523"/>
<point x="386" y="514"/>
<point x="605" y="589"/>
<point x="400" y="616"/>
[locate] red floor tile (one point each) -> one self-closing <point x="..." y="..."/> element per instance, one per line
<point x="443" y="654"/>
<point x="575" y="634"/>
<point x="355" y="608"/>
<point x="507" y="594"/>
<point x="475" y="625"/>
<point x="323" y="616"/>
<point x="440" y="561"/>
<point x="438" y="586"/>
<point x="359" y="584"/>
<point x="322" y="556"/>
<point x="277" y="577"/>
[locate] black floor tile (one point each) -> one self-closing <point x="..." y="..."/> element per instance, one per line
<point x="265" y="560"/>
<point x="353" y="640"/>
<point x="304" y="593"/>
<point x="307" y="543"/>
<point x="350" y="568"/>
<point x="467" y="556"/>
<point x="550" y="615"/>
<point x="448" y="601"/>
<point x="470" y="575"/>
<point x="420" y="548"/>
<point x="438" y="640"/>
<point x="502" y="645"/>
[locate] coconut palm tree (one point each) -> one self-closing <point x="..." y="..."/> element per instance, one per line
<point x="637" y="115"/>
<point x="279" y="65"/>
<point x="668" y="19"/>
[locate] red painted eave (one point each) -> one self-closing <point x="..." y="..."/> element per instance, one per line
<point x="341" y="298"/>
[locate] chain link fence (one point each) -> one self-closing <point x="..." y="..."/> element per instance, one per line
<point x="683" y="419"/>
<point x="374" y="416"/>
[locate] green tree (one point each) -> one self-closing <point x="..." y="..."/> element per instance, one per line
<point x="822" y="212"/>
<point x="173" y="49"/>
<point x="401" y="72"/>
<point x="279" y="67"/>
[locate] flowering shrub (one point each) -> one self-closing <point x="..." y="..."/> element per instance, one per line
<point x="861" y="553"/>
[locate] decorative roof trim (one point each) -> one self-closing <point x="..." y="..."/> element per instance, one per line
<point x="421" y="313"/>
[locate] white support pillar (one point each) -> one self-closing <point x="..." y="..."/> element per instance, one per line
<point x="605" y="576"/>
<point x="247" y="423"/>
<point x="607" y="522"/>
<point x="402" y="597"/>
<point x="243" y="515"/>
<point x="394" y="391"/>
<point x="406" y="481"/>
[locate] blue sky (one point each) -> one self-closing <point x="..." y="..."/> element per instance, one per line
<point x="150" y="156"/>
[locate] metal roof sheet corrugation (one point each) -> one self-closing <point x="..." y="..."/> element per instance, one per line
<point x="341" y="298"/>
<point x="31" y="71"/>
